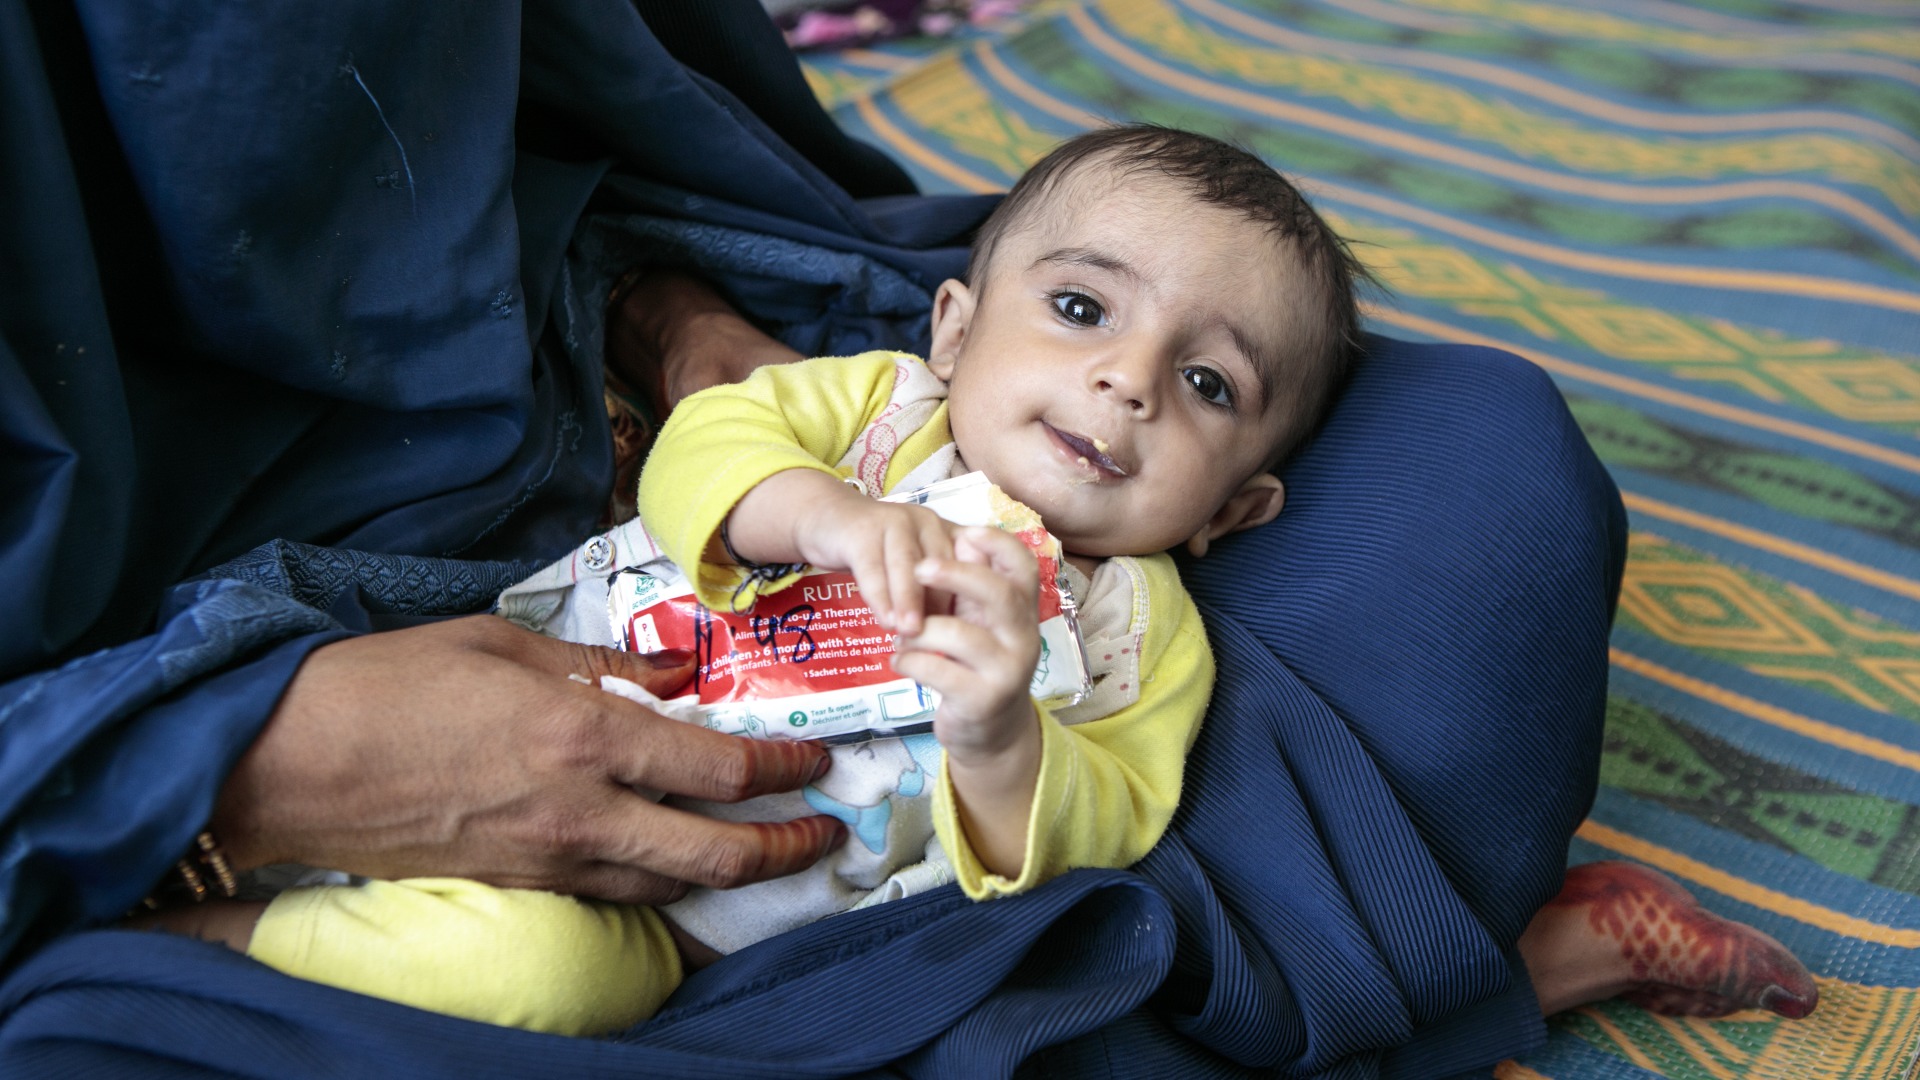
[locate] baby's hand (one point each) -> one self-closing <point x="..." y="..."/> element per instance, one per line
<point x="981" y="657"/>
<point x="879" y="543"/>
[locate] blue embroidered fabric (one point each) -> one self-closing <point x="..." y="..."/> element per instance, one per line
<point x="320" y="352"/>
<point x="387" y="584"/>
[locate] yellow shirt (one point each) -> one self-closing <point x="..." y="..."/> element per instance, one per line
<point x="1109" y="785"/>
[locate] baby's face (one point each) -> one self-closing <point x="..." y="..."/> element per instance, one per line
<point x="1116" y="368"/>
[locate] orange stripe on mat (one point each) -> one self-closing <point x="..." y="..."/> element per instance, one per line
<point x="902" y="142"/>
<point x="1613" y="266"/>
<point x="1680" y="399"/>
<point x="1683" y="866"/>
<point x="1436" y="150"/>
<point x="1772" y="715"/>
<point x="1864" y="574"/>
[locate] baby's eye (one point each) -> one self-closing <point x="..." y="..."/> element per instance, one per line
<point x="1208" y="384"/>
<point x="1079" y="308"/>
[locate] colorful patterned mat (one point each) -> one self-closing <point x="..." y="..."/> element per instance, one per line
<point x="1704" y="220"/>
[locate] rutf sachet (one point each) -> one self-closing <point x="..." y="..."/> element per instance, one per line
<point x="808" y="661"/>
<point x="805" y="662"/>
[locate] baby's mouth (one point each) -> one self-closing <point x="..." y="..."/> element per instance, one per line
<point x="1092" y="451"/>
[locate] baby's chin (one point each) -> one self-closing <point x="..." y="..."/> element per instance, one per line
<point x="1104" y="539"/>
<point x="1082" y="525"/>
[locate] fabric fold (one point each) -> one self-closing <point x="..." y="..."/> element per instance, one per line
<point x="1412" y="657"/>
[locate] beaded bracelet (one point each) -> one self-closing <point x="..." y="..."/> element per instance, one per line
<point x="189" y="878"/>
<point x="758" y="573"/>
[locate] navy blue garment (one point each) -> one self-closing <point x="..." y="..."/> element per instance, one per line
<point x="302" y="308"/>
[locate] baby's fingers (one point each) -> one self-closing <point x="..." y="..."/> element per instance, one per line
<point x="899" y="537"/>
<point x="871" y="573"/>
<point x="943" y="674"/>
<point x="909" y="598"/>
<point x="974" y="646"/>
<point x="930" y="538"/>
<point x="982" y="593"/>
<point x="1000" y="550"/>
<point x="978" y="674"/>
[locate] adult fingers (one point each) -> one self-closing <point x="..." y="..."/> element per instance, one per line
<point x="661" y="673"/>
<point x="644" y="750"/>
<point x="687" y="847"/>
<point x="639" y="747"/>
<point x="622" y="884"/>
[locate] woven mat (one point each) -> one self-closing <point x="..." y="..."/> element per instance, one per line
<point x="1704" y="221"/>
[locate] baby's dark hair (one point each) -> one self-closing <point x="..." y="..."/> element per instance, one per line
<point x="1227" y="176"/>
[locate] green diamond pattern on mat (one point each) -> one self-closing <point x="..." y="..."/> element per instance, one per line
<point x="1657" y="757"/>
<point x="1768" y="626"/>
<point x="1700" y="217"/>
<point x="1650" y="1041"/>
<point x="1815" y="489"/>
<point x="1051" y="58"/>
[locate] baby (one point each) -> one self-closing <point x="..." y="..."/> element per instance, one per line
<point x="1151" y="322"/>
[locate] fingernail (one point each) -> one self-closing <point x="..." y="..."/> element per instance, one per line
<point x="839" y="838"/>
<point x="668" y="658"/>
<point x="820" y="768"/>
<point x="925" y="569"/>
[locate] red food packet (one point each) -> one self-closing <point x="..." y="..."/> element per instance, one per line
<point x="809" y="662"/>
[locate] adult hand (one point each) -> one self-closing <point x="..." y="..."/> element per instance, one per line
<point x="670" y="335"/>
<point x="462" y="748"/>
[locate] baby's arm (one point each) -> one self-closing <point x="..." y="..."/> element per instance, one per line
<point x="722" y="443"/>
<point x="1107" y="788"/>
<point x="981" y="660"/>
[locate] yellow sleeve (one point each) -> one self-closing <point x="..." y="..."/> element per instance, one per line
<point x="722" y="441"/>
<point x="1107" y="787"/>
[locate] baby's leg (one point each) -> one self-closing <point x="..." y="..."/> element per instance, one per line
<point x="518" y="957"/>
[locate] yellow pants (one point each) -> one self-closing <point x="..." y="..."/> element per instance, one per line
<point x="518" y="957"/>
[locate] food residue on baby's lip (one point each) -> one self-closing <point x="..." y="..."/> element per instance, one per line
<point x="1089" y="453"/>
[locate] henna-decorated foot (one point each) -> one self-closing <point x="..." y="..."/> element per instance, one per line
<point x="1617" y="929"/>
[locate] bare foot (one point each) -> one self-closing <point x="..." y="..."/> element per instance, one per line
<point x="1618" y="929"/>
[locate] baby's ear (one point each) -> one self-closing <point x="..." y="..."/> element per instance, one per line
<point x="952" y="311"/>
<point x="1257" y="502"/>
